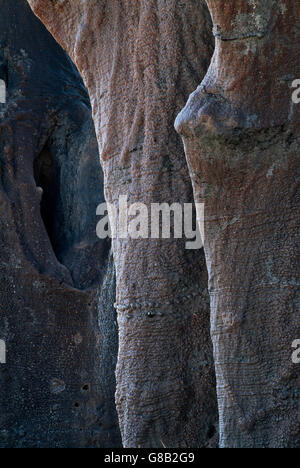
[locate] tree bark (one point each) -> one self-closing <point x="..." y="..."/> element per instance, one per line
<point x="57" y="386"/>
<point x="140" y="60"/>
<point x="241" y="134"/>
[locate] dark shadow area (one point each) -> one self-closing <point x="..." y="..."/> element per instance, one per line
<point x="47" y="177"/>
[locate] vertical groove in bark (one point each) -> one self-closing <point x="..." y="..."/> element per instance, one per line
<point x="241" y="135"/>
<point x="56" y="388"/>
<point x="140" y="60"/>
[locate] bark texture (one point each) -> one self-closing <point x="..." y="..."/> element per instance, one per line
<point x="140" y="60"/>
<point x="57" y="278"/>
<point x="241" y="135"/>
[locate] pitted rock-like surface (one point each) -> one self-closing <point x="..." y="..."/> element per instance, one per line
<point x="57" y="282"/>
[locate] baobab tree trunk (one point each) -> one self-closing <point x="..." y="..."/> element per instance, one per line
<point x="241" y="134"/>
<point x="57" y="386"/>
<point x="140" y="60"/>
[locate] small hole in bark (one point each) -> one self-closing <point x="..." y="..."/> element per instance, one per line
<point x="86" y="388"/>
<point x="76" y="404"/>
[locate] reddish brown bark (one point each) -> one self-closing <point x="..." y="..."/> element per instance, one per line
<point x="140" y="60"/>
<point x="241" y="135"/>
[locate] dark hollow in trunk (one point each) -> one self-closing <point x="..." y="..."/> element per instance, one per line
<point x="57" y="279"/>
